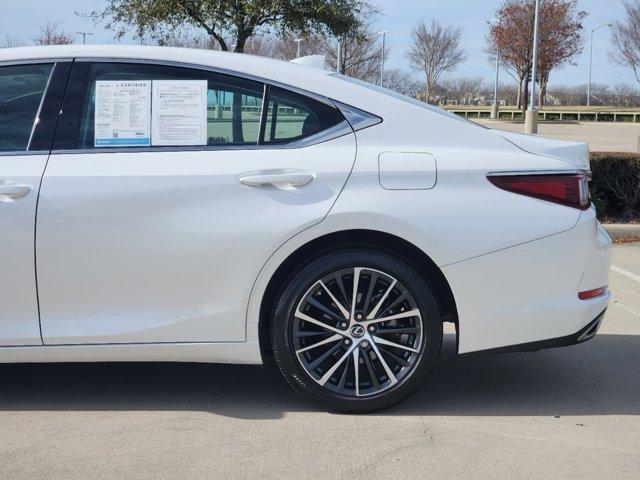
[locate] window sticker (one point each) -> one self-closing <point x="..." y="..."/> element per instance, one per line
<point x="179" y="115"/>
<point x="123" y="112"/>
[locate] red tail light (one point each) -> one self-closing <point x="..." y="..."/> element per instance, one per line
<point x="571" y="190"/>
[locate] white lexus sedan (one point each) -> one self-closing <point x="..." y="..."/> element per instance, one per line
<point x="176" y="205"/>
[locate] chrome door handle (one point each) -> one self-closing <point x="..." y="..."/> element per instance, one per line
<point x="13" y="190"/>
<point x="282" y="178"/>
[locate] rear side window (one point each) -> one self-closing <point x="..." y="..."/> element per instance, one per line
<point x="233" y="105"/>
<point x="22" y="88"/>
<point x="292" y="116"/>
<point x="140" y="105"/>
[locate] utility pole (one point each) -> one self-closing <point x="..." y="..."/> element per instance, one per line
<point x="591" y="61"/>
<point x="84" y="36"/>
<point x="531" y="116"/>
<point x="299" y="42"/>
<point x="339" y="57"/>
<point x="384" y="46"/>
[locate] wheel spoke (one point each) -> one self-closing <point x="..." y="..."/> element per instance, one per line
<point x="409" y="313"/>
<point x="396" y="358"/>
<point x="333" y="369"/>
<point x="321" y="359"/>
<point x="386" y="367"/>
<point x="333" y="338"/>
<point x="372" y="283"/>
<point x="356" y="369"/>
<point x="338" y="278"/>
<point x="307" y="318"/>
<point x="343" y="310"/>
<point x="323" y="309"/>
<point x="383" y="341"/>
<point x="356" y="279"/>
<point x="398" y="330"/>
<point x="372" y="372"/>
<point x="396" y="302"/>
<point x="374" y="312"/>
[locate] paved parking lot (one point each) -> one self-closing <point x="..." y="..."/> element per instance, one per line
<point x="601" y="136"/>
<point x="567" y="413"/>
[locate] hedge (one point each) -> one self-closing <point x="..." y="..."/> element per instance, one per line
<point x="615" y="187"/>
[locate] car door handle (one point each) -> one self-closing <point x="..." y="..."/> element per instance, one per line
<point x="13" y="190"/>
<point x="283" y="178"/>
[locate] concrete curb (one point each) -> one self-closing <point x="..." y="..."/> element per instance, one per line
<point x="623" y="230"/>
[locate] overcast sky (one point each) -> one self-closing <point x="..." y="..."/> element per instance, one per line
<point x="20" y="19"/>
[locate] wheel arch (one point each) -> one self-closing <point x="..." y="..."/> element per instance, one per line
<point x="374" y="239"/>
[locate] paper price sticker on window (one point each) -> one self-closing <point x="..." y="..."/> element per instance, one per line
<point x="179" y="112"/>
<point x="123" y="112"/>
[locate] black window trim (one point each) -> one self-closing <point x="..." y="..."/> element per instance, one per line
<point x="342" y="129"/>
<point x="34" y="61"/>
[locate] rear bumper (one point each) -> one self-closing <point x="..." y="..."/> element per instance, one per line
<point x="583" y="335"/>
<point x="526" y="296"/>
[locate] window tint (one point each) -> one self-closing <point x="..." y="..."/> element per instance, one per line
<point x="292" y="116"/>
<point x="233" y="104"/>
<point x="21" y="90"/>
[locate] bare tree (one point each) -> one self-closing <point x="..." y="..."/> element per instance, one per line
<point x="51" y="33"/>
<point x="435" y="49"/>
<point x="402" y="82"/>
<point x="461" y="90"/>
<point x="625" y="37"/>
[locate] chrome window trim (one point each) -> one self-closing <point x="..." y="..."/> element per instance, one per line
<point x="332" y="133"/>
<point x="24" y="153"/>
<point x="9" y="63"/>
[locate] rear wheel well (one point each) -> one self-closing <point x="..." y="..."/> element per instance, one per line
<point x="380" y="241"/>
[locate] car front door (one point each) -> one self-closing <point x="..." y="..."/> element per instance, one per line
<point x="26" y="133"/>
<point x="162" y="242"/>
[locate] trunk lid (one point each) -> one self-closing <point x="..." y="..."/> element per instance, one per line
<point x="574" y="153"/>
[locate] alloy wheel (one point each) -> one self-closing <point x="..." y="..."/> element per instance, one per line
<point x="358" y="332"/>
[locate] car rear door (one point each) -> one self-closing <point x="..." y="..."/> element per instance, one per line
<point x="30" y="96"/>
<point x="162" y="242"/>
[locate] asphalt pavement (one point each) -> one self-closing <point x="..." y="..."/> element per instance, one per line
<point x="565" y="413"/>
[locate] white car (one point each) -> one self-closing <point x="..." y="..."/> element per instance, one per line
<point x="162" y="204"/>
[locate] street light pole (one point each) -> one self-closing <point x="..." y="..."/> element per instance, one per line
<point x="339" y="57"/>
<point x="299" y="42"/>
<point x="531" y="116"/>
<point x="384" y="46"/>
<point x="84" y="36"/>
<point x="494" y="109"/>
<point x="591" y="61"/>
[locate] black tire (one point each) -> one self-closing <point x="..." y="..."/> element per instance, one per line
<point x="299" y="290"/>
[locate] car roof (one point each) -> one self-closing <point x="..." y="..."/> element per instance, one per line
<point x="262" y="67"/>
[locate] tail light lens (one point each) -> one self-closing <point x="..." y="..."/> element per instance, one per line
<point x="571" y="190"/>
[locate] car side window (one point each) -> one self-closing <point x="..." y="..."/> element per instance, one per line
<point x="22" y="88"/>
<point x="292" y="116"/>
<point x="233" y="104"/>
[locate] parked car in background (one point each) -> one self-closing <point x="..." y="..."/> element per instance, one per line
<point x="161" y="204"/>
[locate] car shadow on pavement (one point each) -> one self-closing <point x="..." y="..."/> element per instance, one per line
<point x="600" y="377"/>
